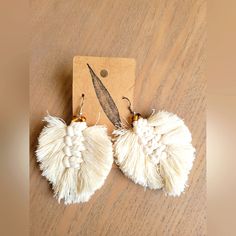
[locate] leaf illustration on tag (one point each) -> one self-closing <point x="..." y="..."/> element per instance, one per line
<point x="107" y="103"/>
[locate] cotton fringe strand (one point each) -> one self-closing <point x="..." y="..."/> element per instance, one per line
<point x="156" y="153"/>
<point x="76" y="159"/>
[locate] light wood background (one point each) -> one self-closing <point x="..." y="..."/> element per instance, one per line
<point x="167" y="39"/>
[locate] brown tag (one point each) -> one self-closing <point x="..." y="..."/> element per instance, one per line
<point x="116" y="74"/>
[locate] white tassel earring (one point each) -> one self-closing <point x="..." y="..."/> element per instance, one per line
<point x="76" y="159"/>
<point x="156" y="152"/>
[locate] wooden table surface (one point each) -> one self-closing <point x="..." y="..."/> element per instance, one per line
<point x="167" y="39"/>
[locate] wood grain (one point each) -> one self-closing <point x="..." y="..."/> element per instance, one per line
<point x="167" y="40"/>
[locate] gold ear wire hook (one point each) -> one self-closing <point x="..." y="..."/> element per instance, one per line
<point x="129" y="107"/>
<point x="80" y="117"/>
<point x="135" y="116"/>
<point x="81" y="104"/>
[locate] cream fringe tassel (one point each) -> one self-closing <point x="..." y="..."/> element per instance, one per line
<point x="156" y="153"/>
<point x="76" y="159"/>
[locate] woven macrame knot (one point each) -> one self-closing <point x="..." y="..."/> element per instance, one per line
<point x="74" y="145"/>
<point x="150" y="139"/>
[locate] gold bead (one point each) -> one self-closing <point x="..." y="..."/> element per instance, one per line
<point x="75" y="119"/>
<point x="78" y="119"/>
<point x="82" y="119"/>
<point x="136" y="117"/>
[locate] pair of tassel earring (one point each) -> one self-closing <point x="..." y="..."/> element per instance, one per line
<point x="155" y="152"/>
